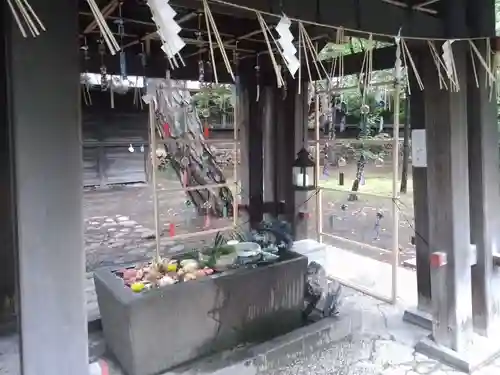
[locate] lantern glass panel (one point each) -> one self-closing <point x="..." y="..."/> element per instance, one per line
<point x="303" y="171"/>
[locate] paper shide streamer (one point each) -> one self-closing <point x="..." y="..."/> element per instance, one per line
<point x="168" y="29"/>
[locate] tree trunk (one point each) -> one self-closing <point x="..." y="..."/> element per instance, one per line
<point x="186" y="150"/>
<point x="406" y="147"/>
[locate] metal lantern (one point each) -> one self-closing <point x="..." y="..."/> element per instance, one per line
<point x="304" y="171"/>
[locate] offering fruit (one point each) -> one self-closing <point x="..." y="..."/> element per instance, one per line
<point x="137" y="287"/>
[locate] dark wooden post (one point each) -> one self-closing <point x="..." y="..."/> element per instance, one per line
<point x="420" y="315"/>
<point x="484" y="176"/>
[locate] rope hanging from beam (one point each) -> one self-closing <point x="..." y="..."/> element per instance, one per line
<point x="357" y="31"/>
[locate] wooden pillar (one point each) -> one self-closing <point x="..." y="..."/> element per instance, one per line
<point x="484" y="178"/>
<point x="268" y="140"/>
<point x="250" y="115"/>
<point x="420" y="315"/>
<point x="449" y="224"/>
<point x="44" y="115"/>
<point x="284" y="150"/>
<point x="8" y="249"/>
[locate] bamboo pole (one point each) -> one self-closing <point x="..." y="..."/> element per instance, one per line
<point x="319" y="205"/>
<point x="154" y="165"/>
<point x="395" y="192"/>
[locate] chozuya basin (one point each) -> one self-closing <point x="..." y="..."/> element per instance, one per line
<point x="247" y="249"/>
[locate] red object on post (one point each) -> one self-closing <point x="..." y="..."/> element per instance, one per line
<point x="166" y="129"/>
<point x="171" y="230"/>
<point x="438" y="259"/>
<point x="206" y="131"/>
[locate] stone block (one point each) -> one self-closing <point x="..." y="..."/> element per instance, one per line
<point x="157" y="330"/>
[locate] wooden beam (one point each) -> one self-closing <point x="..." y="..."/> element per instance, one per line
<point x="419" y="7"/>
<point x="106" y="11"/>
<point x="372" y="16"/>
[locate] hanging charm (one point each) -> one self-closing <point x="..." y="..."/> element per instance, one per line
<point x="85" y="77"/>
<point x="224" y="209"/>
<point x="103" y="69"/>
<point x="331" y="221"/>
<point x="378" y="218"/>
<point x="171" y="230"/>
<point x="191" y="211"/>
<point x="131" y="148"/>
<point x="206" y="223"/>
<point x="121" y="84"/>
<point x="166" y="130"/>
<point x="257" y="78"/>
<point x="142" y="148"/>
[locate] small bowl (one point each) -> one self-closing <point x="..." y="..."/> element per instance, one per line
<point x="248" y="249"/>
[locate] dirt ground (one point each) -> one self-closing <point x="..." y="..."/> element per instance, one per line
<point x="119" y="221"/>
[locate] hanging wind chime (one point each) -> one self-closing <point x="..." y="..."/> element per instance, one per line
<point x="138" y="91"/>
<point x="379" y="216"/>
<point x="85" y="77"/>
<point x="103" y="70"/>
<point x="121" y="85"/>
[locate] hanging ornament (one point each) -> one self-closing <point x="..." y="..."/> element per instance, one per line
<point x="381" y="125"/>
<point x="342" y="162"/>
<point x="378" y="218"/>
<point x="171" y="230"/>
<point x="331" y="221"/>
<point x="206" y="223"/>
<point x="166" y="130"/>
<point x="257" y="78"/>
<point x="365" y="109"/>
<point x="224" y="208"/>
<point x="103" y="69"/>
<point x="137" y="90"/>
<point x="325" y="170"/>
<point x="206" y="130"/>
<point x="343" y="207"/>
<point x="131" y="148"/>
<point x="343" y="124"/>
<point x="85" y="79"/>
<point x="201" y="63"/>
<point x="142" y="148"/>
<point x="121" y="84"/>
